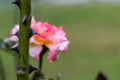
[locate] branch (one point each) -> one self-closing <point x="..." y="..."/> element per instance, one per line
<point x="25" y="19"/>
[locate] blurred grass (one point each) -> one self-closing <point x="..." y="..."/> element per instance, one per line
<point x="93" y="30"/>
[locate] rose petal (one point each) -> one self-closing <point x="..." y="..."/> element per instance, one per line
<point x="53" y="55"/>
<point x="13" y="38"/>
<point x="64" y="46"/>
<point x="34" y="51"/>
<point x="14" y="30"/>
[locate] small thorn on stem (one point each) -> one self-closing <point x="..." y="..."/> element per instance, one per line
<point x="17" y="2"/>
<point x="32" y="68"/>
<point x="21" y="71"/>
<point x="17" y="33"/>
<point x="32" y="32"/>
<point x="15" y="48"/>
<point x="24" y="20"/>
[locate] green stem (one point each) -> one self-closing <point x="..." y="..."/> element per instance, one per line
<point x="38" y="74"/>
<point x="41" y="57"/>
<point x="25" y="19"/>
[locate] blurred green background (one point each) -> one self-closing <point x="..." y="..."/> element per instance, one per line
<point x="94" y="33"/>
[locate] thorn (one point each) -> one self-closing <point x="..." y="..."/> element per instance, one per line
<point x="15" y="48"/>
<point x="101" y="76"/>
<point x="21" y="70"/>
<point x="32" y="32"/>
<point x="32" y="68"/>
<point x="24" y="20"/>
<point x="17" y="33"/>
<point x="17" y="2"/>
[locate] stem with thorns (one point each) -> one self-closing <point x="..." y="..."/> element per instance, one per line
<point x="24" y="22"/>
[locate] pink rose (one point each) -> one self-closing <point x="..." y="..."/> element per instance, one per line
<point x="54" y="38"/>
